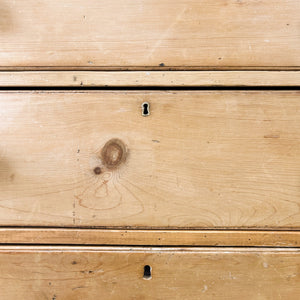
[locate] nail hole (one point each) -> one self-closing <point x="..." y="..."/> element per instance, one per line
<point x="145" y="109"/>
<point x="97" y="170"/>
<point x="147" y="272"/>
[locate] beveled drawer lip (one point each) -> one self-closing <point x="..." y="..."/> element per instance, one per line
<point x="137" y="79"/>
<point x="142" y="249"/>
<point x="150" y="237"/>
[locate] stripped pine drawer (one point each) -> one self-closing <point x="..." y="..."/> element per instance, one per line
<point x="148" y="273"/>
<point x="149" y="194"/>
<point x="149" y="34"/>
<point x="150" y="159"/>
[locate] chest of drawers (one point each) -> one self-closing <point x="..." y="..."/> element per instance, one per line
<point x="149" y="149"/>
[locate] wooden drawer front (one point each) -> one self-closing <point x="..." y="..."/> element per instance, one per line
<point x="149" y="34"/>
<point x="108" y="273"/>
<point x="201" y="159"/>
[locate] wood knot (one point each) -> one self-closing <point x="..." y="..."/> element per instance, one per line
<point x="113" y="153"/>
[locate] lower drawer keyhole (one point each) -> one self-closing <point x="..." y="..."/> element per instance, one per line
<point x="147" y="272"/>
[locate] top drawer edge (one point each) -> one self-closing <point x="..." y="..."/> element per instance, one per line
<point x="149" y="35"/>
<point x="140" y="79"/>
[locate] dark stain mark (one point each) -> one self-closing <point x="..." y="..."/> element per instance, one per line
<point x="87" y="272"/>
<point x="78" y="287"/>
<point x="74" y="78"/>
<point x="74" y="262"/>
<point x="161" y="64"/>
<point x="5" y="170"/>
<point x="113" y="153"/>
<point x="81" y="83"/>
<point x="84" y="17"/>
<point x="155" y="141"/>
<point x="74" y="212"/>
<point x="54" y="297"/>
<point x="97" y="170"/>
<point x="49" y="283"/>
<point x="78" y="150"/>
<point x="287" y="24"/>
<point x="219" y="58"/>
<point x="271" y="136"/>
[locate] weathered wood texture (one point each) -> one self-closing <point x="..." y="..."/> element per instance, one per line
<point x="202" y="159"/>
<point x="70" y="236"/>
<point x="117" y="273"/>
<point x="149" y="34"/>
<point x="148" y="78"/>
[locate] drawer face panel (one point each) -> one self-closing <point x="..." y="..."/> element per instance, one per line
<point x="201" y="159"/>
<point x="149" y="34"/>
<point x="118" y="273"/>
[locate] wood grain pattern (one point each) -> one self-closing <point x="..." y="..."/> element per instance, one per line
<point x="202" y="159"/>
<point x="148" y="78"/>
<point x="70" y="236"/>
<point x="150" y="34"/>
<point x="177" y="273"/>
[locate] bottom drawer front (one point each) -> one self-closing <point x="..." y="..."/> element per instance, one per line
<point x="148" y="273"/>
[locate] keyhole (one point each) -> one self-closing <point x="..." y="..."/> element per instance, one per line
<point x="145" y="109"/>
<point x="147" y="272"/>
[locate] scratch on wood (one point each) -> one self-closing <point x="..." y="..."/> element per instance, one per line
<point x="74" y="211"/>
<point x="166" y="33"/>
<point x="271" y="136"/>
<point x="78" y="287"/>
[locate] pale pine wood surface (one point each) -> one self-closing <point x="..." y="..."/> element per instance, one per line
<point x="79" y="236"/>
<point x="151" y="34"/>
<point x="148" y="78"/>
<point x="200" y="160"/>
<point x="177" y="273"/>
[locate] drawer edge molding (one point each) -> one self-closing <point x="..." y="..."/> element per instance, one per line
<point x="220" y="238"/>
<point x="104" y="79"/>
